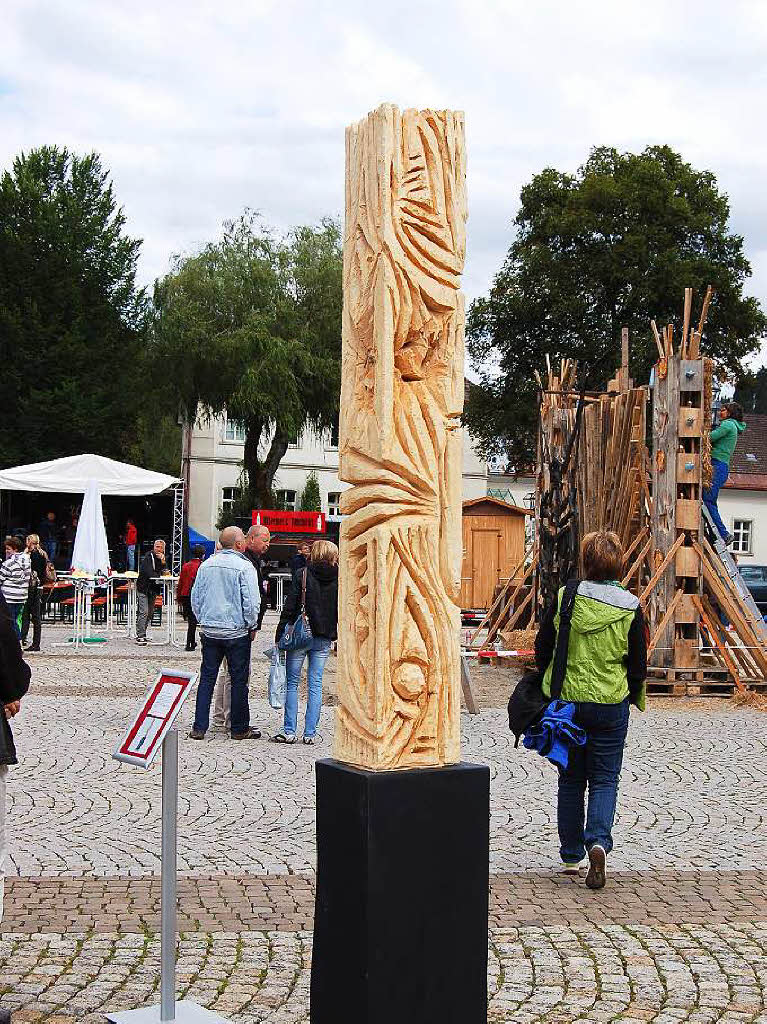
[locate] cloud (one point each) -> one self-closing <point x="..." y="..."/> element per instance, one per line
<point x="200" y="109"/>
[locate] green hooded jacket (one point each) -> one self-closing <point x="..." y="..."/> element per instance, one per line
<point x="598" y="652"/>
<point x="724" y="439"/>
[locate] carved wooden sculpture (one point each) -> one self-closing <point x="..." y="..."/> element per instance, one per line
<point x="400" y="441"/>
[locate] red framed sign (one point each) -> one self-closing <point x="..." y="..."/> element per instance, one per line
<point x="156" y="715"/>
<point x="289" y="522"/>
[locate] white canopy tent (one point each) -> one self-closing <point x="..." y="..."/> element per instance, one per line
<point x="72" y="475"/>
<point x="92" y="476"/>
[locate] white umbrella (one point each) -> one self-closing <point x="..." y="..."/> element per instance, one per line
<point x="91" y="552"/>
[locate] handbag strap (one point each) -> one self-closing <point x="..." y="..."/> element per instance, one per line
<point x="303" y="594"/>
<point x="563" y="638"/>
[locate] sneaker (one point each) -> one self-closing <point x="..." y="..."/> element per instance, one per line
<point x="195" y="734"/>
<point x="284" y="737"/>
<point x="249" y="734"/>
<point x="597" y="874"/>
<point x="570" y="869"/>
<point x="309" y="741"/>
<point x="141" y="641"/>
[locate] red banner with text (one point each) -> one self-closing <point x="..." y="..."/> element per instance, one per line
<point x="289" y="522"/>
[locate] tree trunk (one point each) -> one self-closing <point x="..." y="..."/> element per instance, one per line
<point x="261" y="474"/>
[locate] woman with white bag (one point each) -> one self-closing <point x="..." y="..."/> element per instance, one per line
<point x="313" y="592"/>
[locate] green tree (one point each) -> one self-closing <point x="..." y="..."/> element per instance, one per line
<point x="614" y="245"/>
<point x="72" y="321"/>
<point x="311" y="500"/>
<point x="252" y="325"/>
<point x="751" y="392"/>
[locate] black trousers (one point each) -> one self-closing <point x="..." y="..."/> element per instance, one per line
<point x="33" y="611"/>
<point x="191" y="621"/>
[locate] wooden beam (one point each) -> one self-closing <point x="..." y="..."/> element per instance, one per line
<point x="711" y="630"/>
<point x="498" y="600"/>
<point x="661" y="569"/>
<point x="664" y="621"/>
<point x="499" y="621"/>
<point x="634" y="545"/>
<point x="704" y="311"/>
<point x="658" y="342"/>
<point x="637" y="563"/>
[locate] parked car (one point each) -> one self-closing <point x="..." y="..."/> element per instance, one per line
<point x="755" y="578"/>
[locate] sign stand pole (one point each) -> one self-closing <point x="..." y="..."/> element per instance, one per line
<point x="169" y="1011"/>
<point x="168" y="885"/>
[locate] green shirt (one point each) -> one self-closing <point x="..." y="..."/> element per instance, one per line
<point x="724" y="439"/>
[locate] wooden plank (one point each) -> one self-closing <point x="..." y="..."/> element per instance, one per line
<point x="499" y="623"/>
<point x="686" y="324"/>
<point x="658" y="342"/>
<point x="634" y="545"/>
<point x="468" y="694"/>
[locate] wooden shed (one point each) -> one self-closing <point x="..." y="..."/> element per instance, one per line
<point x="493" y="546"/>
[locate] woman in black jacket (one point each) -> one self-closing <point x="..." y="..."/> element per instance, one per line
<point x="14" y="683"/>
<point x="322" y="612"/>
<point x="33" y="609"/>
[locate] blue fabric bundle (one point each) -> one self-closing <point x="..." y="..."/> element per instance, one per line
<point x="554" y="734"/>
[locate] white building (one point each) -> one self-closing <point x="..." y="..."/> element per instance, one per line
<point x="216" y="467"/>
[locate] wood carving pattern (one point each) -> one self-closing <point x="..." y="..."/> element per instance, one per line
<point x="400" y="441"/>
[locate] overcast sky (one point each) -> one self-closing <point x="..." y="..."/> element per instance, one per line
<point x="200" y="109"/>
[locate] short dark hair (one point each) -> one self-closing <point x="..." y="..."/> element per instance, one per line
<point x="14" y="542"/>
<point x="198" y="551"/>
<point x="602" y="556"/>
<point x="735" y="409"/>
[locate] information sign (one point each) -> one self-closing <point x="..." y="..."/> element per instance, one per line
<point x="156" y="715"/>
<point x="289" y="522"/>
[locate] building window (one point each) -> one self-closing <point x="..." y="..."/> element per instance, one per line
<point x="742" y="532"/>
<point x="332" y="439"/>
<point x="287" y="500"/>
<point x="229" y="495"/>
<point x="334" y="503"/>
<point x="234" y="431"/>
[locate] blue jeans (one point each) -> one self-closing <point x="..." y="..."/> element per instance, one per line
<point x="131" y="551"/>
<point x="237" y="654"/>
<point x="597" y="764"/>
<point x="710" y="494"/>
<point x="51" y="548"/>
<point x="318" y="655"/>
<point x="16" y="611"/>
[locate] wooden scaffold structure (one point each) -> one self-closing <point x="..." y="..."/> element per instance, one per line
<point x="595" y="472"/>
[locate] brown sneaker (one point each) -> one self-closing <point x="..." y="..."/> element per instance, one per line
<point x="195" y="734"/>
<point x="249" y="734"/>
<point x="597" y="875"/>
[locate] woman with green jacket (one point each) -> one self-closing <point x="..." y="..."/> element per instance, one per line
<point x="606" y="669"/>
<point x="723" y="441"/>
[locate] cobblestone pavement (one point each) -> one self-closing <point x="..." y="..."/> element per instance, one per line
<point x="693" y="790"/>
<point x="679" y="935"/>
<point x="286" y="902"/>
<point x="616" y="972"/>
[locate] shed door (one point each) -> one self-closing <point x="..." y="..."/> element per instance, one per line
<point x="485" y="567"/>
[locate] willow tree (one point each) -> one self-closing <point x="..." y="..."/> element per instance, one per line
<point x="251" y="326"/>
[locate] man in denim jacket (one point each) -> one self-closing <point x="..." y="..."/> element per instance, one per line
<point x="225" y="601"/>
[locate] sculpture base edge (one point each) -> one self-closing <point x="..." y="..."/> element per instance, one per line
<point x="401" y="913"/>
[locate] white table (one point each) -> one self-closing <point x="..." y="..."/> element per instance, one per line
<point x="169" y="584"/>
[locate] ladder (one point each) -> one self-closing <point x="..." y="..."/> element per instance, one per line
<point x="732" y="571"/>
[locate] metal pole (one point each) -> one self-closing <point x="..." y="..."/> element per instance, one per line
<point x="168" y="925"/>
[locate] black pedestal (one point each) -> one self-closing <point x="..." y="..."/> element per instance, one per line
<point x="400" y="925"/>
